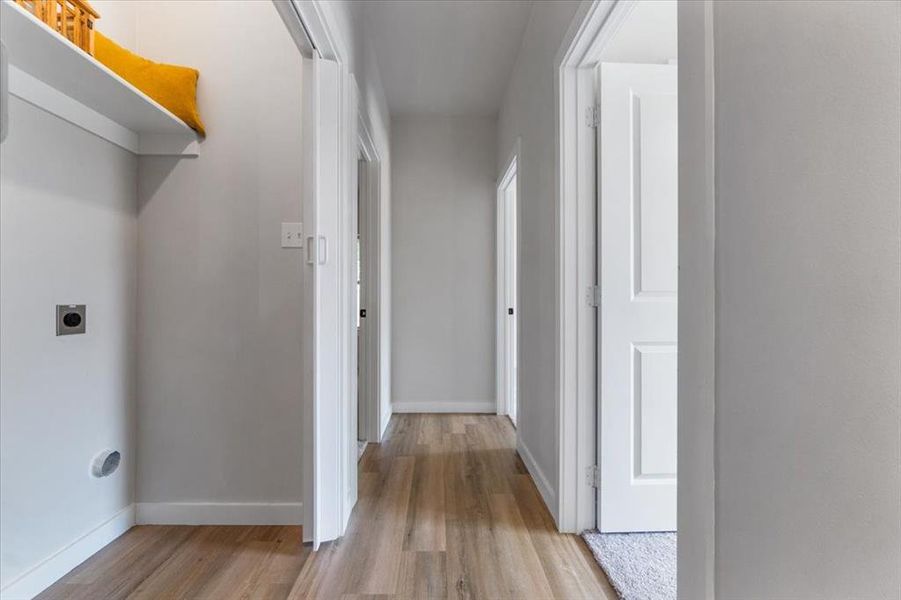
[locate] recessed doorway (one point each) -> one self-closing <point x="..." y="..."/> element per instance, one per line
<point x="508" y="291"/>
<point x="620" y="234"/>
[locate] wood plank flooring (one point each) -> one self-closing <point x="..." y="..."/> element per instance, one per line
<point x="155" y="562"/>
<point x="446" y="510"/>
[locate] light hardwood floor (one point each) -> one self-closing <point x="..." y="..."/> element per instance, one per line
<point x="446" y="510"/>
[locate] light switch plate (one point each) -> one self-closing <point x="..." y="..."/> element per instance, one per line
<point x="292" y="235"/>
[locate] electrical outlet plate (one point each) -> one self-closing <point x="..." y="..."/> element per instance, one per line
<point x="71" y="319"/>
<point x="292" y="235"/>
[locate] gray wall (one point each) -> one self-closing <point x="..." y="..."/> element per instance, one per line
<point x="697" y="297"/>
<point x="529" y="111"/>
<point x="443" y="262"/>
<point x="68" y="234"/>
<point x="220" y="334"/>
<point x="808" y="294"/>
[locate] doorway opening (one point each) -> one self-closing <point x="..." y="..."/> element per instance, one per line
<point x="508" y="290"/>
<point x="619" y="240"/>
<point x="366" y="277"/>
<point x="360" y="310"/>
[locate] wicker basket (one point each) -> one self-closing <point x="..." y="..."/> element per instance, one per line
<point x="73" y="19"/>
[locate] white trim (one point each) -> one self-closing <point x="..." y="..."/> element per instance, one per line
<point x="219" y="513"/>
<point x="319" y="25"/>
<point x="509" y="170"/>
<point x="291" y="18"/>
<point x="538" y="476"/>
<point x="346" y="236"/>
<point x="576" y="404"/>
<point x="47" y="572"/>
<point x="500" y="354"/>
<point x="309" y="112"/>
<point x="449" y="406"/>
<point x="386" y="419"/>
<point x="370" y="218"/>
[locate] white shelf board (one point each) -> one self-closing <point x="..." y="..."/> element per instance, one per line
<point x="50" y="72"/>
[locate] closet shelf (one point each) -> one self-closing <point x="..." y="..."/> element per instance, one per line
<point x="50" y="72"/>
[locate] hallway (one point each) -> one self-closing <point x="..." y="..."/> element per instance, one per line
<point x="446" y="510"/>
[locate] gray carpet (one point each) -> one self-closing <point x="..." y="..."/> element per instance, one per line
<point x="641" y="566"/>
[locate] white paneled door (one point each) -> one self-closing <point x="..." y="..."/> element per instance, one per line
<point x="510" y="269"/>
<point x="638" y="233"/>
<point x="507" y="292"/>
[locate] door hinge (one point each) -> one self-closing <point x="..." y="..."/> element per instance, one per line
<point x="593" y="476"/>
<point x="593" y="295"/>
<point x="593" y="115"/>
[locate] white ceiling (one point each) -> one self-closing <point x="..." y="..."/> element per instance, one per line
<point x="440" y="57"/>
<point x="649" y="34"/>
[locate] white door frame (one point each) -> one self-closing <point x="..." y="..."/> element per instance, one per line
<point x="370" y="217"/>
<point x="594" y="26"/>
<point x="510" y="170"/>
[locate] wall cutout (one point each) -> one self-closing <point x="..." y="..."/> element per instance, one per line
<point x="70" y="319"/>
<point x="106" y="463"/>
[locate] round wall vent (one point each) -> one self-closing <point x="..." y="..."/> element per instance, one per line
<point x="106" y="463"/>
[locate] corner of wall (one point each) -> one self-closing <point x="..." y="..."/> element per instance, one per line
<point x="47" y="572"/>
<point x="541" y="481"/>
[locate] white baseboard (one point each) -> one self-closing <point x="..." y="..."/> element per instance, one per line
<point x="219" y="513"/>
<point x="463" y="406"/>
<point x="386" y="418"/>
<point x="541" y="482"/>
<point x="46" y="573"/>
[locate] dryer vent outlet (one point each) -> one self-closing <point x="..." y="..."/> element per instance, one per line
<point x="106" y="463"/>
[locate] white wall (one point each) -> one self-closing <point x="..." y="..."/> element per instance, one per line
<point x="443" y="264"/>
<point x="220" y="410"/>
<point x="68" y="234"/>
<point x="808" y="330"/>
<point x="529" y="110"/>
<point x="118" y="21"/>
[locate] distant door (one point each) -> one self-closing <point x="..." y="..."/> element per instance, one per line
<point x="508" y="360"/>
<point x="638" y="244"/>
<point x="362" y="362"/>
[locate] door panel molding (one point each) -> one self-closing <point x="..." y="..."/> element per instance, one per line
<point x="637" y="235"/>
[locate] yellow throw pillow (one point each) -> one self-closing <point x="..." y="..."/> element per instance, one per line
<point x="171" y="86"/>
